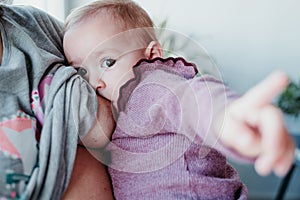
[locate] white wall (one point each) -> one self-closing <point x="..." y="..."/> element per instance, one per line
<point x="247" y="38"/>
<point x="70" y="4"/>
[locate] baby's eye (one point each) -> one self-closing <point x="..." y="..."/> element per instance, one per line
<point x="107" y="63"/>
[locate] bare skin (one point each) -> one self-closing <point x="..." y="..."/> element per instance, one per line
<point x="89" y="179"/>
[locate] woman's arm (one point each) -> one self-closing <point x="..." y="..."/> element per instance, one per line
<point x="89" y="179"/>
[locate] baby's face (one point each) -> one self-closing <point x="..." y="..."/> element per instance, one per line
<point x="107" y="53"/>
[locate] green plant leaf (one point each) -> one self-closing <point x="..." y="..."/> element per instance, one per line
<point x="289" y="100"/>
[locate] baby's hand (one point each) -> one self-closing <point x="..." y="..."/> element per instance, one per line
<point x="255" y="128"/>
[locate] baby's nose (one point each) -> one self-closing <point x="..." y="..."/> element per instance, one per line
<point x="99" y="87"/>
<point x="100" y="84"/>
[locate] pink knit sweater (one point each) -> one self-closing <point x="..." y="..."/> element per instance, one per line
<point x="165" y="145"/>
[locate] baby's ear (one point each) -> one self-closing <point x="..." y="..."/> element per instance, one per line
<point x="153" y="50"/>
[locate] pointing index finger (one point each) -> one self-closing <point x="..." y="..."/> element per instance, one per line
<point x="263" y="93"/>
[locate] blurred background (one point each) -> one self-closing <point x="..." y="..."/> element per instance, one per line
<point x="241" y="41"/>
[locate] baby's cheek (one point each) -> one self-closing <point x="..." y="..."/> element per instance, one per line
<point x="115" y="94"/>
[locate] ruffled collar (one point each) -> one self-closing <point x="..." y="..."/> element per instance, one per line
<point x="178" y="66"/>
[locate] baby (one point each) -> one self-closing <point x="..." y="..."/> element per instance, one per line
<point x="173" y="129"/>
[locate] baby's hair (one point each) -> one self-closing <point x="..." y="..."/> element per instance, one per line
<point x="125" y="13"/>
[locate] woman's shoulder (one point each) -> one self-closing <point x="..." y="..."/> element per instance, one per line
<point x="24" y="14"/>
<point x="28" y="24"/>
<point x="20" y="11"/>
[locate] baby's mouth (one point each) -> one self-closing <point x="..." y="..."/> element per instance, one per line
<point x="99" y="93"/>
